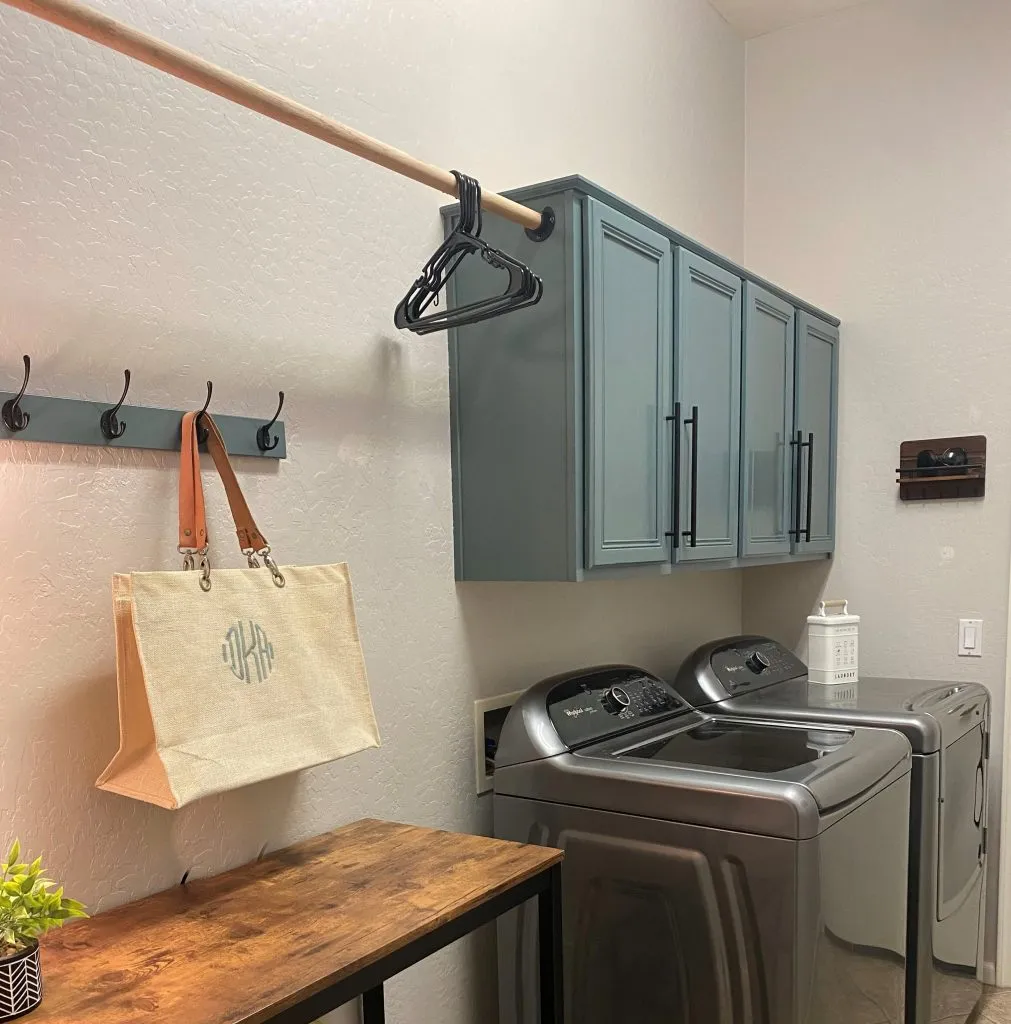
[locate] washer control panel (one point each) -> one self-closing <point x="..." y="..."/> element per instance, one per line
<point x="751" y="665"/>
<point x="602" y="702"/>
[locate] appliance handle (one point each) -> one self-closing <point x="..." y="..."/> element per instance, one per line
<point x="797" y="445"/>
<point x="675" y="531"/>
<point x="810" y="486"/>
<point x="693" y="533"/>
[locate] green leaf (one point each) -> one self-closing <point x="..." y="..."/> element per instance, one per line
<point x="28" y="908"/>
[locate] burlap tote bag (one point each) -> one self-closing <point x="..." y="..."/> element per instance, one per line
<point x="232" y="676"/>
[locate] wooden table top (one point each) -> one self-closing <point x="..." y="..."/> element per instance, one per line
<point x="244" y="945"/>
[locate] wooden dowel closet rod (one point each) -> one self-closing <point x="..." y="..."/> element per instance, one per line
<point x="92" y="24"/>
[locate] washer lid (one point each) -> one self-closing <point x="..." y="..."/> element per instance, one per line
<point x="732" y="745"/>
<point x="781" y="780"/>
<point x="834" y="765"/>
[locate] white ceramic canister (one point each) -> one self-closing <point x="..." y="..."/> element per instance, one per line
<point x="832" y="644"/>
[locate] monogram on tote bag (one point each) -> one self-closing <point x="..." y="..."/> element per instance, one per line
<point x="233" y="676"/>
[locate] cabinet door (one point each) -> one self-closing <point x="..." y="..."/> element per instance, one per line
<point x="628" y="380"/>
<point x="815" y="398"/>
<point x="767" y="417"/>
<point x="708" y="389"/>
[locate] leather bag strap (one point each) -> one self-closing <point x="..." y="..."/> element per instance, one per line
<point x="192" y="517"/>
<point x="250" y="537"/>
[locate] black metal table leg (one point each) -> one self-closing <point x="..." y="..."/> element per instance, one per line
<point x="549" y="918"/>
<point x="373" y="1008"/>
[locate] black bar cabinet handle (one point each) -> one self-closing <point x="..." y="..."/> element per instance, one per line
<point x="675" y="531"/>
<point x="810" y="485"/>
<point x="797" y="445"/>
<point x="693" y="533"/>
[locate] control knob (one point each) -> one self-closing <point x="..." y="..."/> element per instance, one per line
<point x="615" y="700"/>
<point x="757" y="662"/>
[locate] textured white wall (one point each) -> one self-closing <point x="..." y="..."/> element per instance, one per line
<point x="145" y="224"/>
<point x="878" y="147"/>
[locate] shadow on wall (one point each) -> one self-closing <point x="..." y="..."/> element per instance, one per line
<point x="365" y="389"/>
<point x="777" y="599"/>
<point x="518" y="633"/>
<point x="187" y="840"/>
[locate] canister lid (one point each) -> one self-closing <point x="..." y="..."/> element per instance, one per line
<point x="833" y="613"/>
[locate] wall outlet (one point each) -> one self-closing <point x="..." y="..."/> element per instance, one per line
<point x="970" y="638"/>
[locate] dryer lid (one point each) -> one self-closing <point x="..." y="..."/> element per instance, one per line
<point x="727" y="677"/>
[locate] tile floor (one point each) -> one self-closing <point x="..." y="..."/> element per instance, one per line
<point x="996" y="1007"/>
<point x="855" y="988"/>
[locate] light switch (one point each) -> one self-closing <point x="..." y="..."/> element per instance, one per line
<point x="970" y="638"/>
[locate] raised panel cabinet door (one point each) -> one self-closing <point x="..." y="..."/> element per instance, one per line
<point x="708" y="390"/>
<point x="767" y="457"/>
<point x="816" y="398"/>
<point x="628" y="373"/>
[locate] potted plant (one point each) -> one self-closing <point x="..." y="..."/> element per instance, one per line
<point x="27" y="910"/>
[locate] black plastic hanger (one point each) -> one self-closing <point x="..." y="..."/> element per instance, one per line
<point x="524" y="288"/>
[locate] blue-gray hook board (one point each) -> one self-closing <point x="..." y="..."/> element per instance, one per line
<point x="74" y="421"/>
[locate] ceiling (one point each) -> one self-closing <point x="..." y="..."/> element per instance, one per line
<point x="756" y="17"/>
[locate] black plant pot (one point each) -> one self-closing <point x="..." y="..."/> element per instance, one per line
<point x="20" y="983"/>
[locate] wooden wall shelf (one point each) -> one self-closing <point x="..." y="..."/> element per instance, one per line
<point x="942" y="467"/>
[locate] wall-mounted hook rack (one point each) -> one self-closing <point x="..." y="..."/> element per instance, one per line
<point x="72" y="421"/>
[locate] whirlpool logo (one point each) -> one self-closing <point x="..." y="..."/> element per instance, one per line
<point x="248" y="652"/>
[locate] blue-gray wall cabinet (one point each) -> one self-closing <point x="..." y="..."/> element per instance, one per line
<point x="628" y="385"/>
<point x="708" y="389"/>
<point x="816" y="398"/>
<point x="767" y="423"/>
<point x="562" y="446"/>
<point x="516" y="412"/>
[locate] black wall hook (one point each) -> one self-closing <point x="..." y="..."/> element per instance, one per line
<point x="112" y="425"/>
<point x="263" y="439"/>
<point x="201" y="430"/>
<point x="14" y="417"/>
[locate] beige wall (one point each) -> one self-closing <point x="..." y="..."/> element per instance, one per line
<point x="145" y="224"/>
<point x="878" y="149"/>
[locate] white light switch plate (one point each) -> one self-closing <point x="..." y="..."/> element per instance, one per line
<point x="970" y="638"/>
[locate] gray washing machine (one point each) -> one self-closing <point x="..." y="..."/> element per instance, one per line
<point x="718" y="869"/>
<point x="947" y="725"/>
